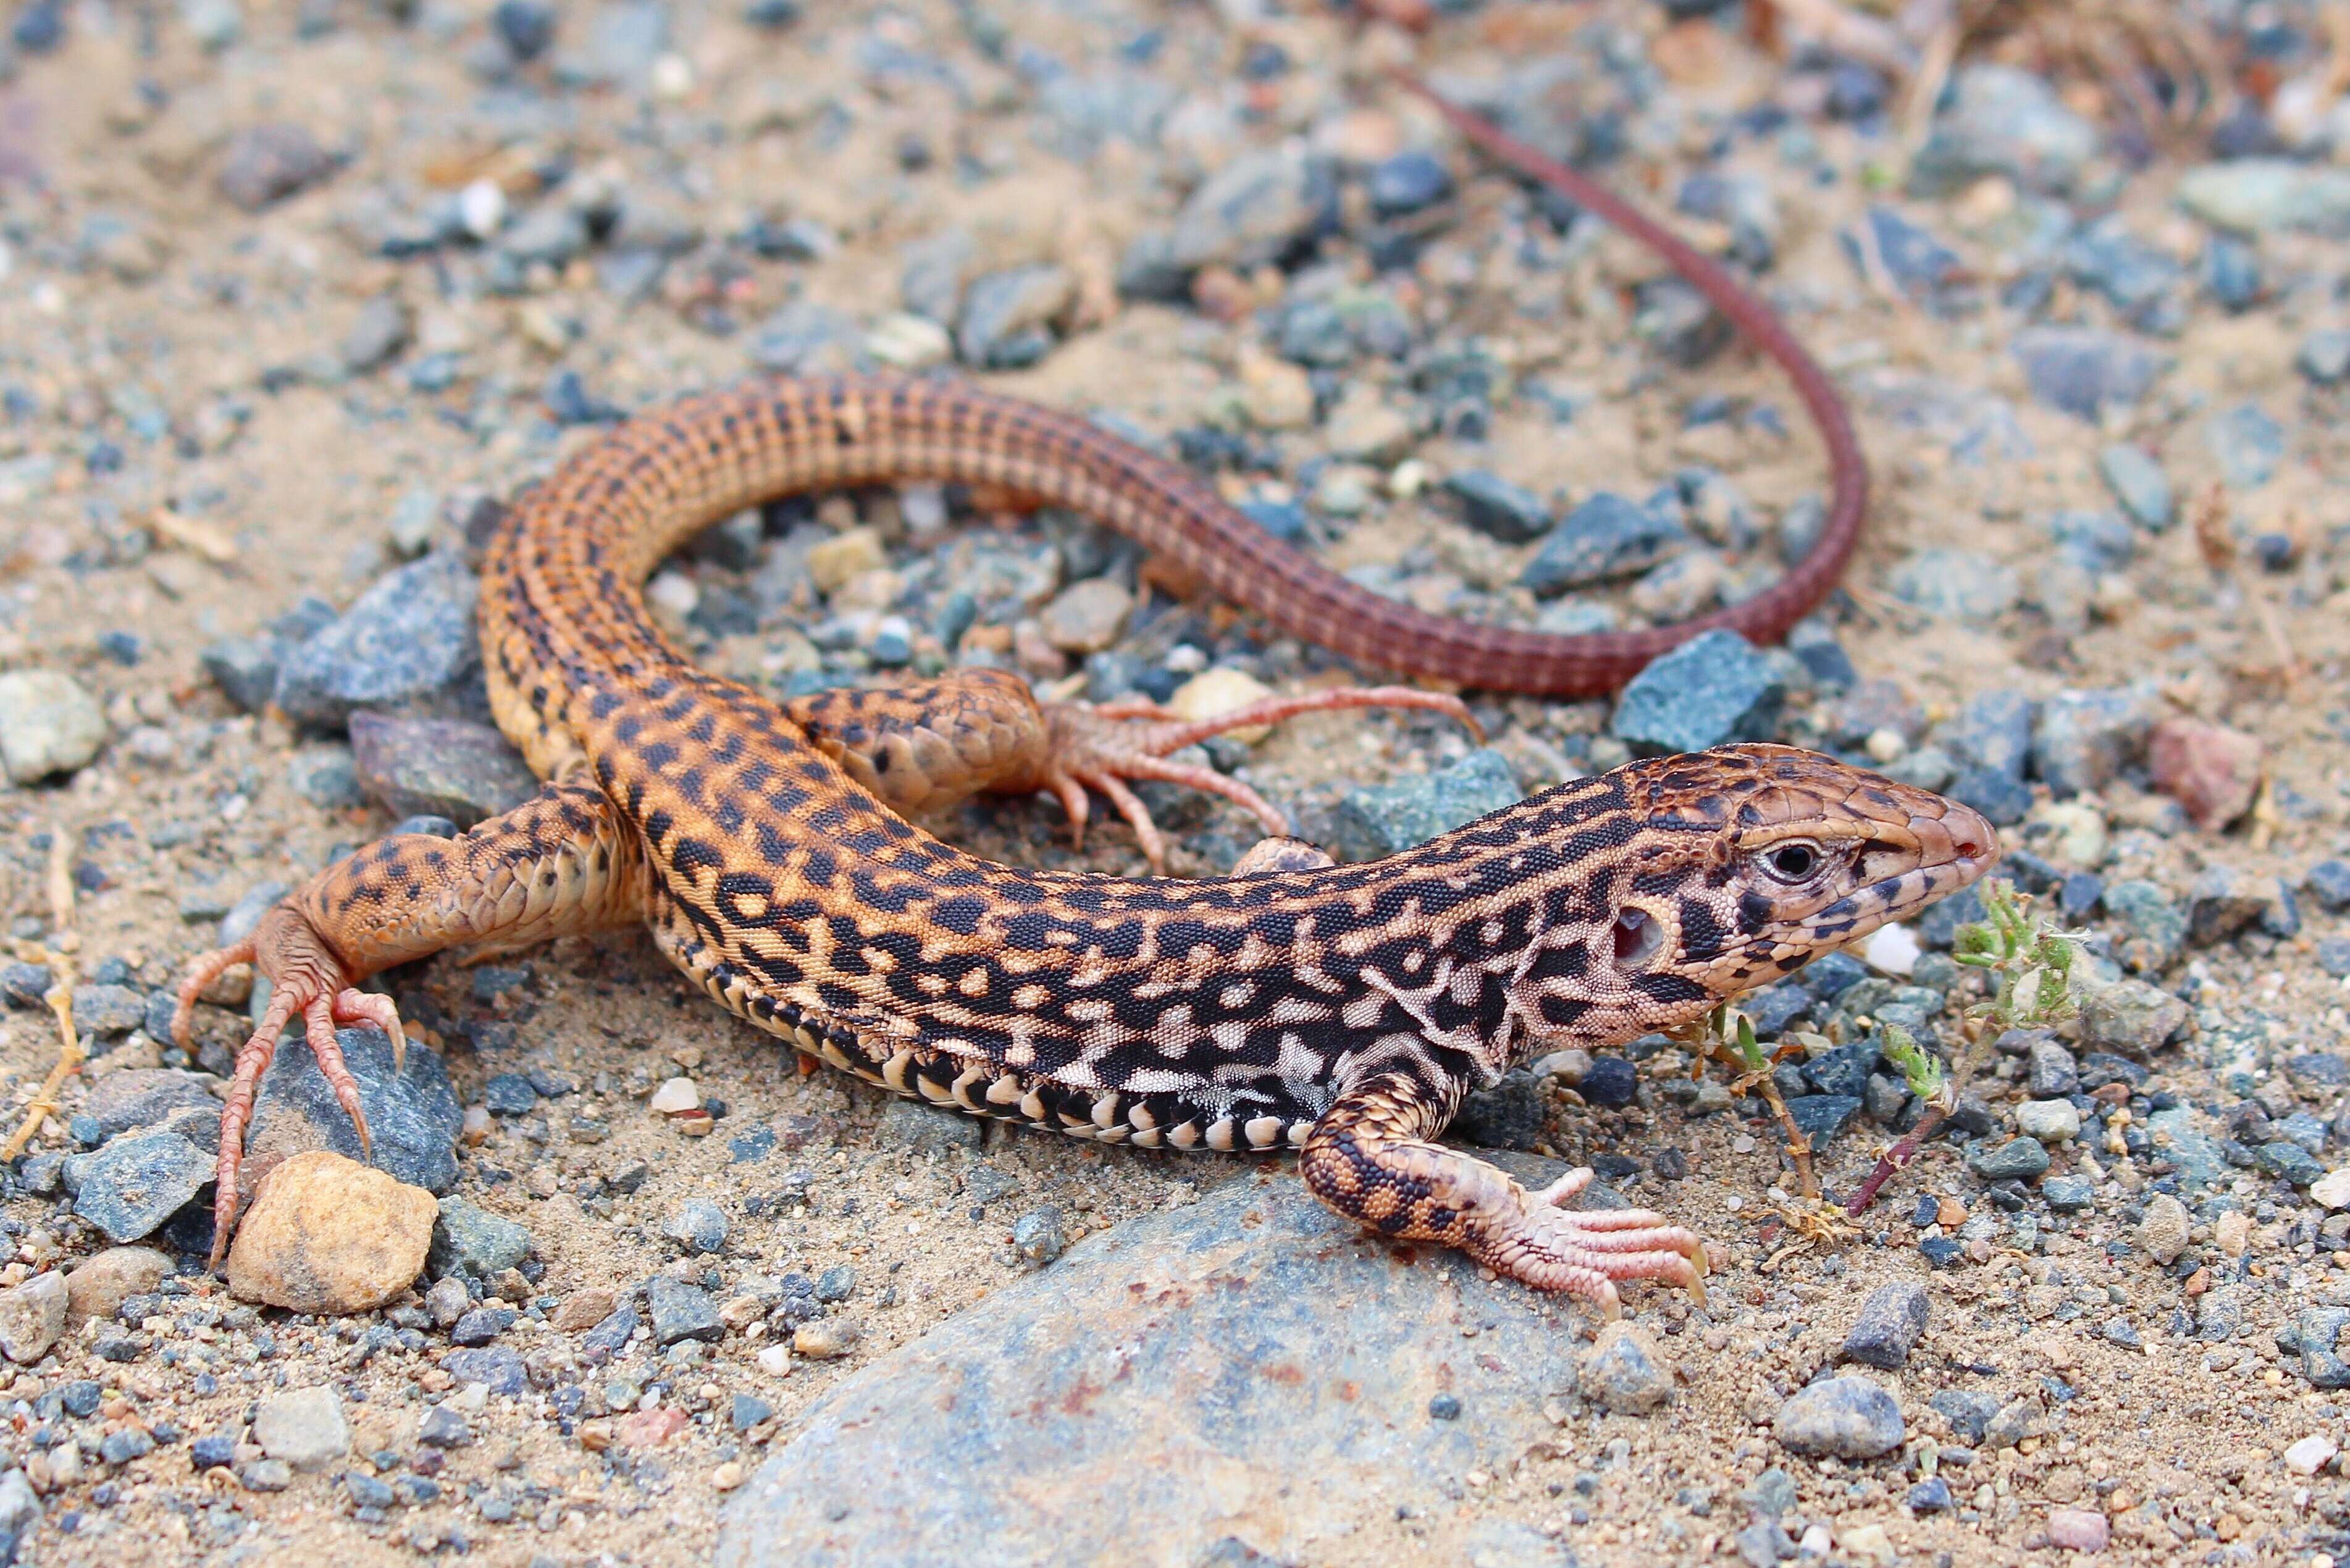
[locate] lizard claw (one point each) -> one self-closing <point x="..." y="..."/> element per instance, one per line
<point x="306" y="980"/>
<point x="1101" y="746"/>
<point x="1584" y="1251"/>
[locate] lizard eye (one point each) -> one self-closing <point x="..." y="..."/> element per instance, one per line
<point x="1793" y="862"/>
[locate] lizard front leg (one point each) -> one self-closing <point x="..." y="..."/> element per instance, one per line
<point x="1370" y="1158"/>
<point x="561" y="864"/>
<point x="928" y="745"/>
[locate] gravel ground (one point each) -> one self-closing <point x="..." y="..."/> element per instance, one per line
<point x="293" y="298"/>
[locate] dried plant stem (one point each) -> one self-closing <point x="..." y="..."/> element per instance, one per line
<point x="64" y="943"/>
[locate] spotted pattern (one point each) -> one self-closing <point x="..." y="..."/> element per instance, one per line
<point x="1342" y="1010"/>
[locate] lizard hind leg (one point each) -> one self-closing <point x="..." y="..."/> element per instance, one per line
<point x="1370" y="1158"/>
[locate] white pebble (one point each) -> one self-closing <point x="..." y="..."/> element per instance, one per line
<point x="2332" y="1189"/>
<point x="672" y="76"/>
<point x="675" y="1097"/>
<point x="674" y="592"/>
<point x="2309" y="1455"/>
<point x="924" y="508"/>
<point x="775" y="1360"/>
<point x="1892" y="949"/>
<point x="481" y="208"/>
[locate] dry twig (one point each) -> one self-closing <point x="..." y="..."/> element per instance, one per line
<point x="64" y="943"/>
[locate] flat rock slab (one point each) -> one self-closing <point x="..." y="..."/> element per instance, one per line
<point x="1248" y="1368"/>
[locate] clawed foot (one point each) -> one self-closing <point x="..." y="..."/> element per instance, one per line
<point x="1584" y="1251"/>
<point x="1101" y="746"/>
<point x="304" y="977"/>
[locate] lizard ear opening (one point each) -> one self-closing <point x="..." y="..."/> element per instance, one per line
<point x="1637" y="938"/>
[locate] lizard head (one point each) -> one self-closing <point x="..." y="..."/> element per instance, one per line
<point x="1744" y="863"/>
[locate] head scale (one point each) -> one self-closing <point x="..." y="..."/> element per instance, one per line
<point x="1749" y="862"/>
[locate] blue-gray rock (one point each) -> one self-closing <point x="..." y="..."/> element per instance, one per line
<point x="2290" y="1161"/>
<point x="25" y="985"/>
<point x="807" y="337"/>
<point x="1255" y="209"/>
<point x="407" y="644"/>
<point x="451" y="768"/>
<point x="1992" y="733"/>
<point x="2328" y="882"/>
<point x="2249" y="444"/>
<point x="551" y="233"/>
<point x="1919" y="262"/>
<point x="929" y="1129"/>
<point x="2334" y="955"/>
<point x="413" y="1118"/>
<point x="2000" y="120"/>
<point x="2139" y="483"/>
<point x="480" y="1325"/>
<point x="2251" y="195"/>
<point x="244" y="669"/>
<point x="698" y="1225"/>
<point x="2096" y="541"/>
<point x="2083" y="371"/>
<point x="2017" y="1159"/>
<point x="1606" y="537"/>
<point x="679" y="1310"/>
<point x="1491" y="504"/>
<point x="107" y="1010"/>
<point x="1622" y="1374"/>
<point x="1222" y="1401"/>
<point x="1931" y="1495"/>
<point x="2224" y="901"/>
<point x="444" y="1428"/>
<point x="1957" y="584"/>
<point x="2178" y="1135"/>
<point x="468" y="1240"/>
<point x="1848" y="1417"/>
<point x="746" y="1411"/>
<point x="134" y="1184"/>
<point x="2068" y="1194"/>
<point x="1715" y="688"/>
<point x="2325" y="356"/>
<point x="509" y="1095"/>
<point x="1040" y="1235"/>
<point x="1680" y="322"/>
<point x="2083" y="739"/>
<point x="1006" y="322"/>
<point x="137" y="1097"/>
<point x="376" y="335"/>
<point x="325" y="777"/>
<point x="1387" y="819"/>
<point x="1823" y="1117"/>
<point x="2231" y="274"/>
<point x="1408" y="182"/>
<point x="2153" y="925"/>
<point x="2053" y="1071"/>
<point x="1892" y="1320"/>
<point x="2129" y="1015"/>
<point x="609" y="1337"/>
<point x="2314" y="1337"/>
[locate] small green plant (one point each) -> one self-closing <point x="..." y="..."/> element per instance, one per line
<point x="2030" y="962"/>
<point x="1727" y="1035"/>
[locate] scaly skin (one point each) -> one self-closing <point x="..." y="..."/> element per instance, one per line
<point x="1344" y="1011"/>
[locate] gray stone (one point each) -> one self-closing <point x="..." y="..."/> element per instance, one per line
<point x="2325" y="356"/>
<point x="377" y="336"/>
<point x="305" y="1428"/>
<point x="1491" y="504"/>
<point x="1823" y="1118"/>
<point x="1253" y="209"/>
<point x="2083" y="371"/>
<point x="609" y="1337"/>
<point x="2130" y="1016"/>
<point x="1385" y="819"/>
<point x="2050" y="1121"/>
<point x="20" y="1510"/>
<point x="132" y="1186"/>
<point x="1848" y="1417"/>
<point x="2328" y="882"/>
<point x="1233" y="1378"/>
<point x="107" y="1010"/>
<point x="2289" y="1162"/>
<point x="679" y="1310"/>
<point x="1041" y="1235"/>
<point x="48" y="726"/>
<point x="2252" y="195"/>
<point x="325" y="777"/>
<point x="551" y="233"/>
<point x="2154" y="926"/>
<point x="1007" y="317"/>
<point x="2000" y="119"/>
<point x="408" y="644"/>
<point x="453" y="768"/>
<point x="2314" y="1337"/>
<point x="467" y="1240"/>
<point x="444" y="1428"/>
<point x="1715" y="688"/>
<point x="413" y="1119"/>
<point x="480" y="1325"/>
<point x="1606" y="537"/>
<point x="1919" y="262"/>
<point x="1891" y="1320"/>
<point x="2247" y="442"/>
<point x="2053" y="1071"/>
<point x="2094" y="541"/>
<point x="267" y="164"/>
<point x="698" y="1225"/>
<point x="807" y="337"/>
<point x="1957" y="584"/>
<point x="1992" y="733"/>
<point x="2068" y="1194"/>
<point x="2083" y="739"/>
<point x="2179" y="1137"/>
<point x="2019" y="1158"/>
<point x="931" y="1129"/>
<point x="1623" y="1373"/>
<point x="26" y="985"/>
<point x="1512" y="1114"/>
<point x="2225" y="899"/>
<point x="32" y="1317"/>
<point x="2139" y="483"/>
